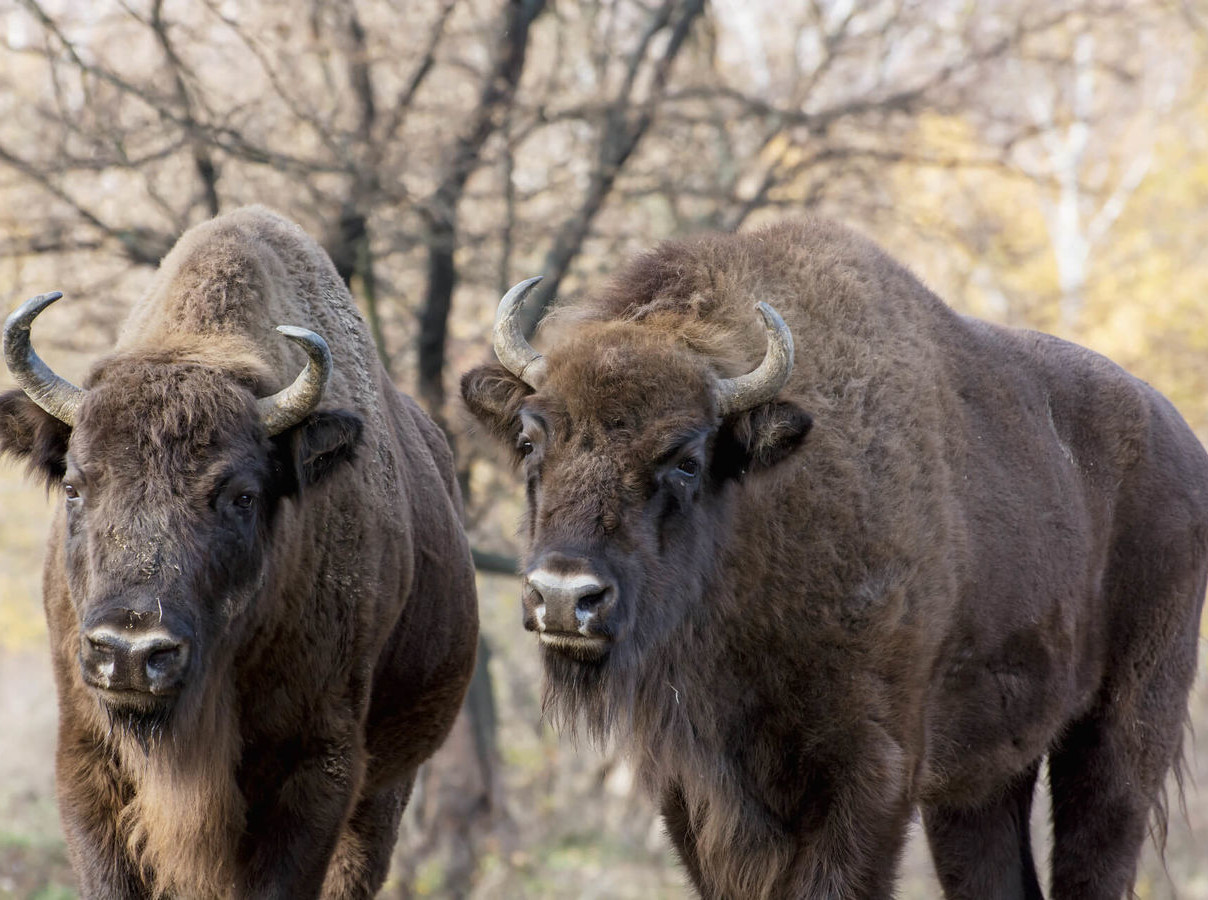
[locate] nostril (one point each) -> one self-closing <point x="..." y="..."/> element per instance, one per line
<point x="588" y="602"/>
<point x="164" y="665"/>
<point x="163" y="662"/>
<point x="164" y="668"/>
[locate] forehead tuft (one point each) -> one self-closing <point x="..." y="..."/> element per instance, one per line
<point x="156" y="405"/>
<point x="618" y="371"/>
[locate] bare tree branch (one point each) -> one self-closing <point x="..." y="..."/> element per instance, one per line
<point x="618" y="141"/>
<point x="440" y="212"/>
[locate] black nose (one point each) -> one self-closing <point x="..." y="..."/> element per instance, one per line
<point x="151" y="661"/>
<point x="583" y="592"/>
<point x="567" y="595"/>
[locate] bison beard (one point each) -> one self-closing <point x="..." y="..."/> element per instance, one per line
<point x="182" y="823"/>
<point x="898" y="572"/>
<point x="261" y="609"/>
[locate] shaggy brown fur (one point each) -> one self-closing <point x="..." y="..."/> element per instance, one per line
<point x="321" y="577"/>
<point x="991" y="547"/>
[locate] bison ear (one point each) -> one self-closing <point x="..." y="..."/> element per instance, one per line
<point x="29" y="433"/>
<point x="318" y="445"/>
<point x="494" y="396"/>
<point x="756" y="439"/>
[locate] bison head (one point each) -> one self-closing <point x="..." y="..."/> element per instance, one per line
<point x="171" y="472"/>
<point x="630" y="445"/>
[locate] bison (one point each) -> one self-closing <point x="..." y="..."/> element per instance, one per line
<point x="895" y="565"/>
<point x="260" y="600"/>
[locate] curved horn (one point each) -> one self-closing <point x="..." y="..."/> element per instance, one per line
<point x="291" y="405"/>
<point x="516" y="354"/>
<point x="56" y="395"/>
<point x="760" y="386"/>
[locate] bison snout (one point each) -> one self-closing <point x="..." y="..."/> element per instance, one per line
<point x="153" y="662"/>
<point x="568" y="603"/>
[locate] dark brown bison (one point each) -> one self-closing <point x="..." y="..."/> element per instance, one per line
<point x="261" y="605"/>
<point x="989" y="549"/>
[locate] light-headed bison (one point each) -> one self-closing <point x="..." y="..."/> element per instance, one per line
<point x="261" y="602"/>
<point x="901" y="562"/>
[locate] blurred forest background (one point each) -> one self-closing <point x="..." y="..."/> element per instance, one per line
<point x="1042" y="163"/>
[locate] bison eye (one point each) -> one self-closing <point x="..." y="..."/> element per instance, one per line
<point x="688" y="468"/>
<point x="71" y="492"/>
<point x="245" y="501"/>
<point x="525" y="446"/>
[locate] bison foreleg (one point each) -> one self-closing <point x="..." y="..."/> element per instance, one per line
<point x="984" y="852"/>
<point x="92" y="794"/>
<point x="290" y="839"/>
<point x="362" y="858"/>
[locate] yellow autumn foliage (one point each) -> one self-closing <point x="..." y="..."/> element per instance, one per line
<point x="1144" y="303"/>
